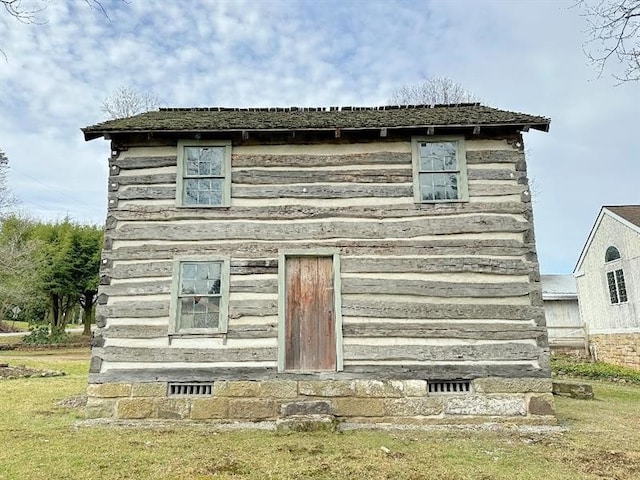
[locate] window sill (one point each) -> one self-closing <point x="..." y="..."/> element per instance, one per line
<point x="440" y="203"/>
<point x="200" y="334"/>
<point x="204" y="207"/>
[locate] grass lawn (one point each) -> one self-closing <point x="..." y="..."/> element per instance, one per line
<point x="18" y="326"/>
<point x="40" y="441"/>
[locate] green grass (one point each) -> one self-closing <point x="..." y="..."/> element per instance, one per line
<point x="73" y="338"/>
<point x="23" y="326"/>
<point x="561" y="364"/>
<point x="40" y="441"/>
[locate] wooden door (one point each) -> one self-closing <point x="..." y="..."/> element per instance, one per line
<point x="310" y="327"/>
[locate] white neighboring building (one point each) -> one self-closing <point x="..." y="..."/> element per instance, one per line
<point x="608" y="281"/>
<point x="565" y="327"/>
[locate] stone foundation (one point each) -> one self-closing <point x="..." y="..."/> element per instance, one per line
<point x="521" y="400"/>
<point x="620" y="349"/>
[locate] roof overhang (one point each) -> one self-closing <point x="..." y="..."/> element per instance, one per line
<point x="474" y="129"/>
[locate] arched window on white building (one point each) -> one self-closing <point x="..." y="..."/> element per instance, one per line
<point x="615" y="276"/>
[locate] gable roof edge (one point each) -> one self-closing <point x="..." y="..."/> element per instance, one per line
<point x="603" y="210"/>
<point x="576" y="270"/>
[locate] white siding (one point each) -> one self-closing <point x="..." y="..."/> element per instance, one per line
<point x="593" y="293"/>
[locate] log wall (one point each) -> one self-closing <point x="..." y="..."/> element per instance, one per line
<point x="428" y="291"/>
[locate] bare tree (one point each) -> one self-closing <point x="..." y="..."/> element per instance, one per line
<point x="18" y="263"/>
<point x="433" y="91"/>
<point x="7" y="198"/>
<point x="24" y="13"/>
<point x="27" y="12"/>
<point x="31" y="11"/>
<point x="613" y="30"/>
<point x="127" y="101"/>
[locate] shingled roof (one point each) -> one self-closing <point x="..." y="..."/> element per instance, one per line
<point x="218" y="119"/>
<point x="631" y="213"/>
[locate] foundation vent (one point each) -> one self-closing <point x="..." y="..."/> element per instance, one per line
<point x="191" y="389"/>
<point x="450" y="386"/>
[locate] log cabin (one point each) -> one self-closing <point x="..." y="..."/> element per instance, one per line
<point x="345" y="265"/>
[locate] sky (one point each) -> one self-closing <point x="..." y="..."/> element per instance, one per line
<point x="524" y="56"/>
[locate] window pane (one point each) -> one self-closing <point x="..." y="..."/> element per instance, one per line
<point x="214" y="157"/>
<point x="204" y="169"/>
<point x="622" y="288"/>
<point x="188" y="271"/>
<point x="200" y="278"/>
<point x="613" y="293"/>
<point x="438" y="186"/>
<point x="612" y="253"/>
<point x="204" y="160"/>
<point x="192" y="168"/>
<point x="438" y="156"/>
<point x="199" y="312"/>
<point x="203" y="191"/>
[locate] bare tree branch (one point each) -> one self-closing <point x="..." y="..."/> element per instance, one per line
<point x="28" y="12"/>
<point x="613" y="30"/>
<point x="7" y="199"/>
<point x="433" y="91"/>
<point x="97" y="5"/>
<point x="126" y="102"/>
<point x="22" y="13"/>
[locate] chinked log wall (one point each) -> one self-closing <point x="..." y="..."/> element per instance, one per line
<point x="428" y="291"/>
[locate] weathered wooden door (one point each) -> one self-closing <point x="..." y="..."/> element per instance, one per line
<point x="310" y="327"/>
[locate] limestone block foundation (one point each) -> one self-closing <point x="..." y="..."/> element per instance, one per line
<point x="401" y="402"/>
<point x="619" y="348"/>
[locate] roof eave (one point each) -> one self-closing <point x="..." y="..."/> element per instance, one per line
<point x="91" y="133"/>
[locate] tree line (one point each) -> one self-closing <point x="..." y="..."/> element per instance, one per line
<point x="49" y="270"/>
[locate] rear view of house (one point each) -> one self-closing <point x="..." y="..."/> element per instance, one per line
<point x="370" y="265"/>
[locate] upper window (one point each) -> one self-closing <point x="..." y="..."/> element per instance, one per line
<point x="611" y="254"/>
<point x="439" y="169"/>
<point x="201" y="292"/>
<point x="204" y="174"/>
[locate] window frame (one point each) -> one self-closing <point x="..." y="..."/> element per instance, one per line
<point x="461" y="160"/>
<point x="614" y="277"/>
<point x="182" y="169"/>
<point x="615" y="281"/>
<point x="223" y="320"/>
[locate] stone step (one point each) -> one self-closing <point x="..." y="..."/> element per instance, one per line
<point x="308" y="407"/>
<point x="307" y="423"/>
<point x="583" y="391"/>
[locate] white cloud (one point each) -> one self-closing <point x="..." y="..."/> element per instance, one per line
<point x="518" y="55"/>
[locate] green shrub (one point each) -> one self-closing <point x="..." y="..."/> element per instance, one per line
<point x="569" y="366"/>
<point x="40" y="335"/>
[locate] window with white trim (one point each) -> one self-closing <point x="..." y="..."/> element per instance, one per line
<point x="200" y="297"/>
<point x="615" y="276"/>
<point x="617" y="288"/>
<point x="204" y="170"/>
<point x="439" y="170"/>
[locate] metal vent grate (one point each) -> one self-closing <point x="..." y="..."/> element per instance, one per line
<point x="450" y="386"/>
<point x="191" y="389"/>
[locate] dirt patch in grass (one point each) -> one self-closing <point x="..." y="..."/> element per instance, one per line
<point x="77" y="401"/>
<point x="8" y="372"/>
<point x="610" y="464"/>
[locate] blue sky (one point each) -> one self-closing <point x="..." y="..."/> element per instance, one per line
<point x="518" y="55"/>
